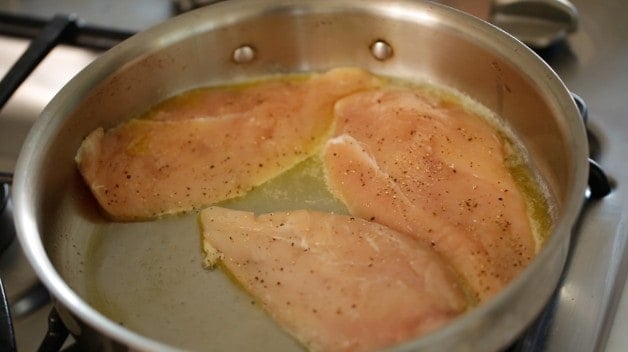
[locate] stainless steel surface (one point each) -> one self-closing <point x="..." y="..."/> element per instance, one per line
<point x="593" y="309"/>
<point x="495" y="70"/>
<point x="589" y="294"/>
<point x="592" y="63"/>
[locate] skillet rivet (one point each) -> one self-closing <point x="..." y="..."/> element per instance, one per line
<point x="243" y="54"/>
<point x="381" y="50"/>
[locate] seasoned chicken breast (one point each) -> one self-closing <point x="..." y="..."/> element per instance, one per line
<point x="217" y="146"/>
<point x="335" y="282"/>
<point x="426" y="167"/>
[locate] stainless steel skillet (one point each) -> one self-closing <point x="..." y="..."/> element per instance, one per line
<point x="141" y="285"/>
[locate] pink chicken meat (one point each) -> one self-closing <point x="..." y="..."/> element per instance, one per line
<point x="336" y="283"/>
<point x="426" y="167"/>
<point x="212" y="145"/>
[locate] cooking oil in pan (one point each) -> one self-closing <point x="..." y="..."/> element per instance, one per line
<point x="302" y="187"/>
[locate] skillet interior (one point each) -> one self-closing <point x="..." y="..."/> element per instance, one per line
<point x="150" y="273"/>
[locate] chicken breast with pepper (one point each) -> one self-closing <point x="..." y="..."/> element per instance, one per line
<point x="335" y="282"/>
<point x="427" y="167"/>
<point x="211" y="145"/>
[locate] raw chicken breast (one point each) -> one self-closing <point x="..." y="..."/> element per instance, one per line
<point x="336" y="283"/>
<point x="426" y="167"/>
<point x="186" y="157"/>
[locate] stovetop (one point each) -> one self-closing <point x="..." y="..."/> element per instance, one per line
<point x="590" y="310"/>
